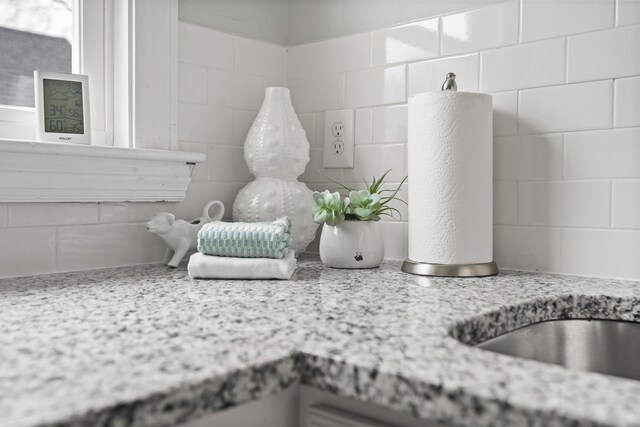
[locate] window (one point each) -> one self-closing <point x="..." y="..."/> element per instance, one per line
<point x="34" y="35"/>
<point x="128" y="48"/>
<point x="50" y="35"/>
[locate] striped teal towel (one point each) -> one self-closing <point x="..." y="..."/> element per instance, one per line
<point x="245" y="239"/>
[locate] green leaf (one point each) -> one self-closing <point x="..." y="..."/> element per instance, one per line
<point x="320" y="217"/>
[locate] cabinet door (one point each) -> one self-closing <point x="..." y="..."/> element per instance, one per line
<point x="326" y="416"/>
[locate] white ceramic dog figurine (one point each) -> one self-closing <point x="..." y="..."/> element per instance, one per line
<point x="182" y="236"/>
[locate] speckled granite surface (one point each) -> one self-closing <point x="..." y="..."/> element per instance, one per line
<point x="147" y="346"/>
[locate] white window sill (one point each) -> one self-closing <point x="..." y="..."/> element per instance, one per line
<point x="54" y="172"/>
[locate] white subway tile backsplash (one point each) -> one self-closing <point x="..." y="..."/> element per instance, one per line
<point x="627" y="102"/>
<point x="394" y="243"/>
<point x="505" y="113"/>
<point x="318" y="128"/>
<point x="479" y="29"/>
<point x="308" y="121"/>
<point x="242" y="123"/>
<point x="374" y="160"/>
<point x="204" y="123"/>
<point x="26" y="251"/>
<point x="505" y="202"/>
<point x="152" y="248"/>
<point x="625" y="212"/>
<point x="31" y="214"/>
<point x="390" y="124"/>
<point x="527" y="81"/>
<point x="603" y="154"/>
<point x="280" y="81"/>
<point x="578" y="106"/>
<point x="376" y="86"/>
<point x="627" y="12"/>
<point x="302" y="61"/>
<point x="602" y="55"/>
<point x="406" y="43"/>
<point x="527" y="248"/>
<point x="95" y="246"/>
<point x="363" y="126"/>
<point x="543" y="19"/>
<point x="317" y="93"/>
<point x="133" y="212"/>
<point x="534" y="157"/>
<point x="428" y="76"/>
<point x="566" y="203"/>
<point x="192" y="83"/>
<point x="344" y="54"/>
<point x="556" y="98"/>
<point x="233" y="90"/>
<point x="200" y="45"/>
<point x="200" y="193"/>
<point x="316" y="173"/>
<point x="259" y="58"/>
<point x="523" y="66"/>
<point x="226" y="164"/>
<point x="605" y="253"/>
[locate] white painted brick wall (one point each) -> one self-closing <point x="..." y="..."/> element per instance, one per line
<point x="221" y="85"/>
<point x="566" y="118"/>
<point x="564" y="76"/>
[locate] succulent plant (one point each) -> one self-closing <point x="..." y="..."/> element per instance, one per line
<point x="329" y="207"/>
<point x="363" y="205"/>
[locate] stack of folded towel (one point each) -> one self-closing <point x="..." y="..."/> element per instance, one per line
<point x="243" y="250"/>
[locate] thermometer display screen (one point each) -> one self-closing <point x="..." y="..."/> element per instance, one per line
<point x="63" y="109"/>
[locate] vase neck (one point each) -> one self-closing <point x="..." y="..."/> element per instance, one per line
<point x="277" y="93"/>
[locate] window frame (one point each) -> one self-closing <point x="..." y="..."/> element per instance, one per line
<point x="134" y="102"/>
<point x="120" y="44"/>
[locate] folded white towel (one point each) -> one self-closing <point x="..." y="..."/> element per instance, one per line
<point x="203" y="266"/>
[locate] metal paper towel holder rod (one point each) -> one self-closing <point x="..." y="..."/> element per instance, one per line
<point x="450" y="270"/>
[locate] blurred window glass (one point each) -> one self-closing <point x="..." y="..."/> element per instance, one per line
<point x="34" y="35"/>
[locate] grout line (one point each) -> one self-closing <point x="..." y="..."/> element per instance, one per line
<point x="517" y="199"/>
<point x="520" y="15"/>
<point x="518" y="101"/>
<point x="566" y="60"/>
<point x="57" y="255"/>
<point x="611" y="204"/>
<point x="480" y="56"/>
<point x="613" y="107"/>
<point x="568" y="227"/>
<point x="563" y="172"/>
<point x="440" y="38"/>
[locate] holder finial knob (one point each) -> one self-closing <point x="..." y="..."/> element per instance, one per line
<point x="450" y="82"/>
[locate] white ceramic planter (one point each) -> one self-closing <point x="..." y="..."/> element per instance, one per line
<point x="352" y="244"/>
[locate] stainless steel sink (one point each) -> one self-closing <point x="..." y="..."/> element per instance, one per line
<point x="605" y="346"/>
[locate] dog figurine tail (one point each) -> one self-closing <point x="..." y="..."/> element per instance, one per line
<point x="218" y="213"/>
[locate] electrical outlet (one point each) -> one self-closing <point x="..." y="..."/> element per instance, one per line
<point x="337" y="129"/>
<point x="338" y="139"/>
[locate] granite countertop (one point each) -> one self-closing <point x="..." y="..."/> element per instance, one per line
<point x="146" y="345"/>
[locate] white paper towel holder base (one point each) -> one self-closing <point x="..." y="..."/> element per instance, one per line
<point x="450" y="270"/>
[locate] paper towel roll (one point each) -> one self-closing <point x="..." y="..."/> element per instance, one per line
<point x="450" y="153"/>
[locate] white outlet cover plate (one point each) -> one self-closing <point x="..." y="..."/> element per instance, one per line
<point x="338" y="139"/>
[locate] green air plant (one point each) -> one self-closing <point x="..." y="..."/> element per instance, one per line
<point x="363" y="205"/>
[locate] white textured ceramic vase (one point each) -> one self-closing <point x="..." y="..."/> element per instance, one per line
<point x="352" y="244"/>
<point x="277" y="151"/>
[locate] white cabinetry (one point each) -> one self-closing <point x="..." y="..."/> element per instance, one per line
<point x="302" y="406"/>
